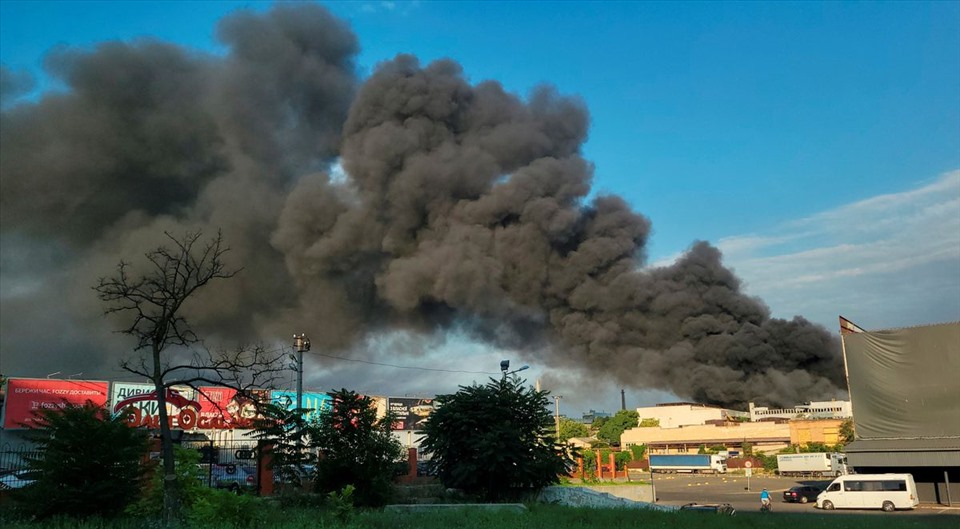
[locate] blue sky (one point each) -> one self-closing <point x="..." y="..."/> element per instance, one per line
<point x="817" y="144"/>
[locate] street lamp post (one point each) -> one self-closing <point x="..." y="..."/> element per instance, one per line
<point x="505" y="365"/>
<point x="301" y="343"/>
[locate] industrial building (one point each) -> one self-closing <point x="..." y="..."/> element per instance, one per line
<point x="677" y="414"/>
<point x="831" y="409"/>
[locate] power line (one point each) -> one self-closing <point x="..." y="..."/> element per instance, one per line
<point x="401" y="367"/>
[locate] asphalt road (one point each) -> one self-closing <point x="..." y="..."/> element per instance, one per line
<point x="678" y="489"/>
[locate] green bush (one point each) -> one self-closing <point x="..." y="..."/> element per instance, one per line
<point x="190" y="481"/>
<point x="495" y="441"/>
<point x="89" y="463"/>
<point x="223" y="508"/>
<point x="356" y="449"/>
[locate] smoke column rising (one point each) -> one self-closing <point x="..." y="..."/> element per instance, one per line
<point x="464" y="207"/>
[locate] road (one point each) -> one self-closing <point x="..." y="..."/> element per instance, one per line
<point x="678" y="489"/>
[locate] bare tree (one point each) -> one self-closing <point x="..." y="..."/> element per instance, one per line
<point x="154" y="300"/>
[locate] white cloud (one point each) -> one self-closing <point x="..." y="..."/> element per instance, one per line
<point x="890" y="260"/>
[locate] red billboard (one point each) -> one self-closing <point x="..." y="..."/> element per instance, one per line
<point x="226" y="408"/>
<point x="26" y="396"/>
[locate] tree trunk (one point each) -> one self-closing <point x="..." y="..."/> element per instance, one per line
<point x="171" y="489"/>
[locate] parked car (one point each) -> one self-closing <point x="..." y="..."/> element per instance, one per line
<point x="801" y="493"/>
<point x="711" y="508"/>
<point x="233" y="477"/>
<point x="15" y="479"/>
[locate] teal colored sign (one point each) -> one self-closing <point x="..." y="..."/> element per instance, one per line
<point x="314" y="402"/>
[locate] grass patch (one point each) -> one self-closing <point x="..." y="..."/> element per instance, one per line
<point x="540" y="516"/>
<point x="588" y="483"/>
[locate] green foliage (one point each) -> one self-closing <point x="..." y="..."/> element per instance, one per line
<point x="223" y="508"/>
<point x="190" y="479"/>
<point x="570" y="428"/>
<point x="341" y="503"/>
<point x="356" y="449"/>
<point x="89" y="463"/>
<point x="616" y="425"/>
<point x="495" y="441"/>
<point x="621" y="459"/>
<point x="638" y="451"/>
<point x="289" y="432"/>
<point x="649" y="423"/>
<point x="702" y="449"/>
<point x="538" y="516"/>
<point x="846" y="432"/>
<point x="769" y="461"/>
<point x="746" y="448"/>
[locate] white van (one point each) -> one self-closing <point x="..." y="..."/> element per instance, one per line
<point x="870" y="491"/>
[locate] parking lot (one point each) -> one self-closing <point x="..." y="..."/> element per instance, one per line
<point x="678" y="489"/>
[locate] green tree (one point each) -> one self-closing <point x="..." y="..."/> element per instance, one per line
<point x="613" y="428"/>
<point x="89" y="463"/>
<point x="638" y="451"/>
<point x="494" y="441"/>
<point x="846" y="432"/>
<point x="570" y="428"/>
<point x="649" y="423"/>
<point x="288" y="432"/>
<point x="356" y="449"/>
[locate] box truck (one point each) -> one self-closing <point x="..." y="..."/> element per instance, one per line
<point x="812" y="464"/>
<point x="694" y="463"/>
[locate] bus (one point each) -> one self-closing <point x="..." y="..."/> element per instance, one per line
<point x="870" y="491"/>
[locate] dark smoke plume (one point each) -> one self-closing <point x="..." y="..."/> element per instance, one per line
<point x="463" y="207"/>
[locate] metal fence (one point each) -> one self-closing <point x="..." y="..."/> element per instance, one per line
<point x="16" y="458"/>
<point x="230" y="465"/>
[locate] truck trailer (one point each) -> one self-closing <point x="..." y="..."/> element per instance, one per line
<point x="812" y="464"/>
<point x="693" y="463"/>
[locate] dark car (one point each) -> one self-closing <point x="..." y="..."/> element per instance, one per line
<point x="801" y="493"/>
<point x="711" y="508"/>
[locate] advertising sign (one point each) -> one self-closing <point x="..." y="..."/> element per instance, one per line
<point x="314" y="402"/>
<point x="183" y="410"/>
<point x="25" y="396"/>
<point x="409" y="413"/>
<point x="225" y="408"/>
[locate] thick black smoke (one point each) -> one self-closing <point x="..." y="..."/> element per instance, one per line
<point x="463" y="206"/>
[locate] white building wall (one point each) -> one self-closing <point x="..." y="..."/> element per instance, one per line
<point x="681" y="415"/>
<point x="830" y="409"/>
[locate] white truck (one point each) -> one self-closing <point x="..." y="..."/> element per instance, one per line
<point x="812" y="464"/>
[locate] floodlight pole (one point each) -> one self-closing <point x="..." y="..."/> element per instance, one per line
<point x="301" y="343"/>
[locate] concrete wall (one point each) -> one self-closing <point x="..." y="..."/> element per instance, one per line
<point x="765" y="436"/>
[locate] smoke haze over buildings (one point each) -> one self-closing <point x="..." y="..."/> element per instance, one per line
<point x="464" y="207"/>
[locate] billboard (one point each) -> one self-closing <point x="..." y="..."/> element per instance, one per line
<point x="226" y="408"/>
<point x="314" y="402"/>
<point x="183" y="410"/>
<point x="26" y="396"/>
<point x="409" y="413"/>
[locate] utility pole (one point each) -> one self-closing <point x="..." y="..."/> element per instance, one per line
<point x="301" y="343"/>
<point x="556" y="415"/>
